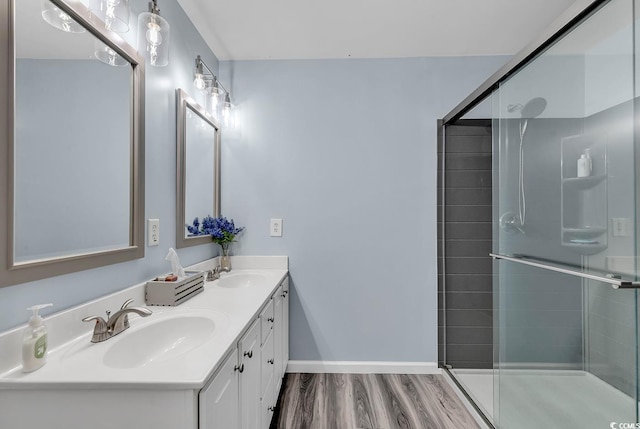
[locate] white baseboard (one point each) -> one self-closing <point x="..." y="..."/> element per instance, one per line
<point x="357" y="367"/>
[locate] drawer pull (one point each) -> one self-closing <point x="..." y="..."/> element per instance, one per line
<point x="240" y="368"/>
<point x="249" y="354"/>
<point x="271" y="319"/>
<point x="271" y="408"/>
<point x="270" y="361"/>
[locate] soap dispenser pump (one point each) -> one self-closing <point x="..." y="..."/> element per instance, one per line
<point x="34" y="342"/>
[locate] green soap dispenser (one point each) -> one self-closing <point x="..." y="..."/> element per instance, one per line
<point x="34" y="342"/>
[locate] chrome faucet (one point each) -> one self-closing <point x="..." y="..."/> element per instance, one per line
<point x="115" y="323"/>
<point x="215" y="273"/>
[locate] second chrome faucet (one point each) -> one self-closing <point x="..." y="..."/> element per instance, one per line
<point x="115" y="323"/>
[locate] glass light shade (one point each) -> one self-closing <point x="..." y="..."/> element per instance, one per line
<point x="59" y="19"/>
<point x="215" y="101"/>
<point x="212" y="102"/>
<point x="114" y="13"/>
<point x="108" y="56"/>
<point x="153" y="38"/>
<point x="227" y="115"/>
<point x="199" y="81"/>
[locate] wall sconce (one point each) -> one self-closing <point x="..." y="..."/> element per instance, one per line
<point x="153" y="36"/>
<point x="59" y="19"/>
<point x="114" y="14"/>
<point x="207" y="82"/>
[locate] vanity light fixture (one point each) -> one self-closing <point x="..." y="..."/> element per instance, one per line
<point x="59" y="19"/>
<point x="153" y="36"/>
<point x="114" y="14"/>
<point x="206" y="81"/>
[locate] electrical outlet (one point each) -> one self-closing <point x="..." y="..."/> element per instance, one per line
<point x="276" y="228"/>
<point x="153" y="232"/>
<point x="621" y="227"/>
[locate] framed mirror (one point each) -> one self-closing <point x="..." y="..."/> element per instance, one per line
<point x="198" y="168"/>
<point x="73" y="118"/>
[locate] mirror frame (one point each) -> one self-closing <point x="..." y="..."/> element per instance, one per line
<point x="183" y="101"/>
<point x="12" y="273"/>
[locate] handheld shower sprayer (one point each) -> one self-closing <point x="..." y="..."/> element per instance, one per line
<point x="532" y="109"/>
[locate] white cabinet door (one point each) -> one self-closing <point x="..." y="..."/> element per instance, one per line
<point x="249" y="349"/>
<point x="285" y="325"/>
<point x="267" y="364"/>
<point x="277" y="337"/>
<point x="268" y="406"/>
<point x="218" y="401"/>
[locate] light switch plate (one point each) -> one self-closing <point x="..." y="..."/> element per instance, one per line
<point x="276" y="228"/>
<point x="153" y="232"/>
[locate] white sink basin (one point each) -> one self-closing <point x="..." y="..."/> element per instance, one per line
<point x="159" y="341"/>
<point x="240" y="280"/>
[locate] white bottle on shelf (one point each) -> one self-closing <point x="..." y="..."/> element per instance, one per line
<point x="584" y="164"/>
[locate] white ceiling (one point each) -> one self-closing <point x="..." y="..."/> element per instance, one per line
<point x="302" y="29"/>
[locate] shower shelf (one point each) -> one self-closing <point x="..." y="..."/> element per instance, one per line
<point x="583" y="182"/>
<point x="586" y="232"/>
<point x="584" y="200"/>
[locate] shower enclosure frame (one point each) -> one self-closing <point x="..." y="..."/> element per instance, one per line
<point x="576" y="13"/>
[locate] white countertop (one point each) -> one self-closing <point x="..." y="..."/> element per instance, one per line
<point x="77" y="364"/>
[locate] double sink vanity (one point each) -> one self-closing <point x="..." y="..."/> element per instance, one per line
<point x="214" y="362"/>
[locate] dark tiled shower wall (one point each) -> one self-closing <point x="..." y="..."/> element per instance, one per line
<point x="463" y="261"/>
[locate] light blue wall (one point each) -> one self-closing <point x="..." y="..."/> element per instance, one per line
<point x="345" y="152"/>
<point x="69" y="290"/>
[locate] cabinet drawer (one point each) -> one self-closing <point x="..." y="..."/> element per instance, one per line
<point x="267" y="365"/>
<point x="266" y="321"/>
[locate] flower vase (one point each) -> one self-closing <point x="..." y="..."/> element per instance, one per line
<point x="225" y="259"/>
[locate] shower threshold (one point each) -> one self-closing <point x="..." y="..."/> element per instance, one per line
<point x="533" y="399"/>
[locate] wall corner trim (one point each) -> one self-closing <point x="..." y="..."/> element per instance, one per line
<point x="361" y="367"/>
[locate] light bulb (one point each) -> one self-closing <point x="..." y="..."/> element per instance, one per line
<point x="65" y="22"/>
<point x="199" y="81"/>
<point x="153" y="33"/>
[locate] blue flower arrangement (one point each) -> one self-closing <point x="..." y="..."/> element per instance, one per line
<point x="222" y="230"/>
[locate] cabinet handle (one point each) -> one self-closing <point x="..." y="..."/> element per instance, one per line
<point x="249" y="354"/>
<point x="271" y="408"/>
<point x="284" y="295"/>
<point x="270" y="361"/>
<point x="271" y="319"/>
<point x="240" y="368"/>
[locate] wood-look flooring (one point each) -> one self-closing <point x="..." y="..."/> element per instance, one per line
<point x="370" y="401"/>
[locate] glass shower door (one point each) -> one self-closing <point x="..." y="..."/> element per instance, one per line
<point x="566" y="341"/>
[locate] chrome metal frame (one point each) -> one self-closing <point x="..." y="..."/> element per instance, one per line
<point x="616" y="281"/>
<point x="14" y="273"/>
<point x="184" y="101"/>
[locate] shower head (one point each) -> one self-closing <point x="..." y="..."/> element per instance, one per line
<point x="532" y="109"/>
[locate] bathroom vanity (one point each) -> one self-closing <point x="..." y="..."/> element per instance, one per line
<point x="214" y="362"/>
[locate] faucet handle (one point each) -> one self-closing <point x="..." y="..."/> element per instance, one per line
<point x="100" y="330"/>
<point x="125" y="319"/>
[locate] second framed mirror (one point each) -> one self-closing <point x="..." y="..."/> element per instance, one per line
<point x="198" y="168"/>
